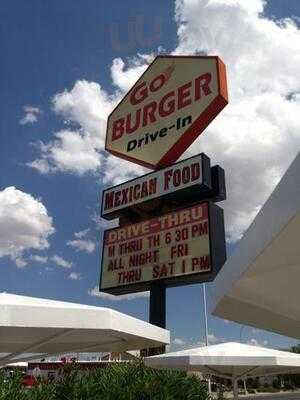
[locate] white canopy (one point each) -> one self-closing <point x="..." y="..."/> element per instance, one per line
<point x="32" y="328"/>
<point x="229" y="360"/>
<point x="259" y="284"/>
<point x="21" y="364"/>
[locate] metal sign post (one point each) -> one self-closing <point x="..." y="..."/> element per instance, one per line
<point x="157" y="311"/>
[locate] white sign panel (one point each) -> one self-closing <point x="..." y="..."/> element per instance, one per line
<point x="193" y="172"/>
<point x="184" y="246"/>
<point x="167" y="109"/>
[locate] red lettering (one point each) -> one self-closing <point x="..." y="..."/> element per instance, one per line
<point x="136" y="192"/>
<point x="183" y="95"/>
<point x="124" y="196"/>
<point x="144" y="191"/>
<point x="149" y="113"/>
<point x="130" y="247"/>
<point x="139" y="93"/>
<point x="129" y="276"/>
<point x="202" y="84"/>
<point x="157" y="83"/>
<point x="176" y="178"/>
<point x="167" y="179"/>
<point x="109" y="200"/>
<point x="163" y="271"/>
<point x="155" y="271"/>
<point x="167" y="107"/>
<point x="200" y="263"/>
<point x="129" y="128"/>
<point x="118" y="129"/>
<point x="186" y="175"/>
<point x="200" y="229"/>
<point x="117" y="199"/>
<point x="195" y="171"/>
<point x="152" y="186"/>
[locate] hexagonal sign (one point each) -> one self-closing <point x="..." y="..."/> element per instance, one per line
<point x="167" y="109"/>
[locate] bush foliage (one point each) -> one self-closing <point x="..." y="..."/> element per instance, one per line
<point x="131" y="381"/>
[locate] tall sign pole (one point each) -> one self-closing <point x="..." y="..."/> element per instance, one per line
<point x="157" y="311"/>
<point x="171" y="231"/>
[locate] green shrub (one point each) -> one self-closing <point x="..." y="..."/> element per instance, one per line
<point x="11" y="389"/>
<point x="120" y="381"/>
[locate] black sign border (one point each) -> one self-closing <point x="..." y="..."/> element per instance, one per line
<point x="217" y="258"/>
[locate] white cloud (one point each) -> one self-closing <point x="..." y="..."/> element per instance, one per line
<point x="81" y="242"/>
<point x="61" y="262"/>
<point x="85" y="108"/>
<point x="70" y="151"/>
<point x="81" y="234"/>
<point x="41" y="165"/>
<point x="20" y="262"/>
<point x="190" y="343"/>
<point x="213" y="339"/>
<point x="82" y="245"/>
<point x="75" y="276"/>
<point x="24" y="224"/>
<point x="86" y="105"/>
<point x="118" y="170"/>
<point x="255" y="137"/>
<point x="124" y="77"/>
<point x="256" y="342"/>
<point x="39" y="259"/>
<point x="253" y="341"/>
<point x="178" y="342"/>
<point x="30" y="115"/>
<point x="102" y="223"/>
<point x="106" y="296"/>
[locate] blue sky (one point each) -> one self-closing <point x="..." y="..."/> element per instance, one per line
<point x="62" y="71"/>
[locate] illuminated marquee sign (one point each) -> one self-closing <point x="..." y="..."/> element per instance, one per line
<point x="189" y="177"/>
<point x="167" y="109"/>
<point x="185" y="246"/>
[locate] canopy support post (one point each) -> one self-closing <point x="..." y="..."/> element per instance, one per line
<point x="235" y="388"/>
<point x="245" y="386"/>
<point x="206" y="332"/>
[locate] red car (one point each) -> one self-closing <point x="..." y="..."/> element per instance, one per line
<point x="29" y="381"/>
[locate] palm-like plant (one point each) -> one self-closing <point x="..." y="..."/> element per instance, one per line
<point x="119" y="381"/>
